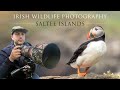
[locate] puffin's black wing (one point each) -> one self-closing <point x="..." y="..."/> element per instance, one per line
<point x="82" y="47"/>
<point x="78" y="52"/>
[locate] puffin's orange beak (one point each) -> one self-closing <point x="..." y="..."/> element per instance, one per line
<point x="88" y="36"/>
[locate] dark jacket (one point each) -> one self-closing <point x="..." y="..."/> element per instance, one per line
<point x="6" y="66"/>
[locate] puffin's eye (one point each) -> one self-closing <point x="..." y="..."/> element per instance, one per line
<point x="96" y="29"/>
<point x="91" y="35"/>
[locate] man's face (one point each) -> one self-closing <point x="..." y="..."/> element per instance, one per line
<point x="18" y="37"/>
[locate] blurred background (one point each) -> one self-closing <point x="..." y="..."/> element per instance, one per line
<point x="68" y="38"/>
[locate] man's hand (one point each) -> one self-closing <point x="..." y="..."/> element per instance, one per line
<point x="16" y="53"/>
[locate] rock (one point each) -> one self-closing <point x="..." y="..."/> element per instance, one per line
<point x="88" y="76"/>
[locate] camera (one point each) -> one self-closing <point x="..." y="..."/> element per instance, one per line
<point x="47" y="55"/>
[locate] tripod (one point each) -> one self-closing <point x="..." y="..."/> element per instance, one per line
<point x="27" y="69"/>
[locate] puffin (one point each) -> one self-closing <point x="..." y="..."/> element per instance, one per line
<point x="89" y="52"/>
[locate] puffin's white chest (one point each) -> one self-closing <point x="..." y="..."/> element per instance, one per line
<point x="98" y="47"/>
<point x="91" y="54"/>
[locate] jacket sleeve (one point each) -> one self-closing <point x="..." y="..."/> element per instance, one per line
<point x="5" y="65"/>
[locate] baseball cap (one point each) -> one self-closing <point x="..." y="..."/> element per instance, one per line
<point x="18" y="29"/>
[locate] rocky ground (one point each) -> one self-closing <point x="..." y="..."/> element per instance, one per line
<point x="107" y="75"/>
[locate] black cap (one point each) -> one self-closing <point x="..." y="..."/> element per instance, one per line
<point x="18" y="29"/>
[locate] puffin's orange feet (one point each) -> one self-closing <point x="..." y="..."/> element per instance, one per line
<point x="82" y="74"/>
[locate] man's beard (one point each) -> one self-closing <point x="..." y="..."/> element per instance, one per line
<point x="18" y="43"/>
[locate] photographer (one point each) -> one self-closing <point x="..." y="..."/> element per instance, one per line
<point x="11" y="58"/>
